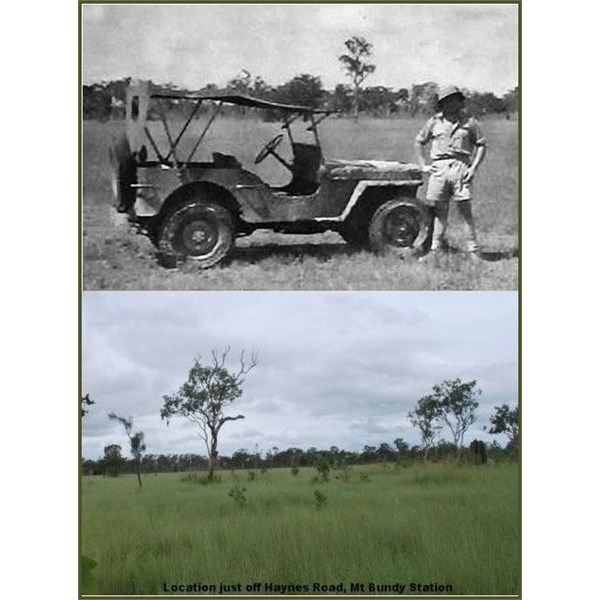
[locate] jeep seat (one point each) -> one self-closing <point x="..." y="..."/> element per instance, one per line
<point x="305" y="170"/>
<point x="225" y="161"/>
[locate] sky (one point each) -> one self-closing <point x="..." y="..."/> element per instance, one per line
<point x="472" y="46"/>
<point x="339" y="368"/>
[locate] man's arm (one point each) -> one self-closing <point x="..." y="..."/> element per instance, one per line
<point x="480" y="149"/>
<point x="422" y="139"/>
<point x="477" y="160"/>
<point x="420" y="152"/>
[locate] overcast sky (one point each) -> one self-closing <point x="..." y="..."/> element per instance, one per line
<point x="472" y="46"/>
<point x="335" y="368"/>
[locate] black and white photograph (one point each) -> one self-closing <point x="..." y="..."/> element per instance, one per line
<point x="300" y="146"/>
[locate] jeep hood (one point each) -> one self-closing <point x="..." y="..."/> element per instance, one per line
<point x="373" y="170"/>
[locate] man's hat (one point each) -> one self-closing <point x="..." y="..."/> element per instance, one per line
<point x="448" y="91"/>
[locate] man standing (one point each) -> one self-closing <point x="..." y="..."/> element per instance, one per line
<point x="457" y="149"/>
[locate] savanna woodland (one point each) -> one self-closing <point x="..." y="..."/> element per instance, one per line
<point x="439" y="516"/>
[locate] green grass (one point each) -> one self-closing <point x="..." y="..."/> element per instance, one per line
<point x="435" y="523"/>
<point x="116" y="258"/>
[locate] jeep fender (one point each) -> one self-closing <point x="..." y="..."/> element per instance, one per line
<point x="196" y="189"/>
<point x="368" y="195"/>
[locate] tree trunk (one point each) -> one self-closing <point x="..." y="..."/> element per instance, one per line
<point x="212" y="459"/>
<point x="355" y="101"/>
<point x="139" y="476"/>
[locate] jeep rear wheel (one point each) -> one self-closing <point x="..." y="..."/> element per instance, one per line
<point x="400" y="226"/>
<point x="201" y="231"/>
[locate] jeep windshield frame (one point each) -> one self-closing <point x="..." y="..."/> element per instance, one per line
<point x="292" y="112"/>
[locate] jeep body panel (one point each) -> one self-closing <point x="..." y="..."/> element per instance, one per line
<point x="341" y="187"/>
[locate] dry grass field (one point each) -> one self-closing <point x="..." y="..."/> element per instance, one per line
<point x="116" y="258"/>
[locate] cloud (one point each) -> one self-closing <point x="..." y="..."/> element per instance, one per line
<point x="335" y="368"/>
<point x="371" y="426"/>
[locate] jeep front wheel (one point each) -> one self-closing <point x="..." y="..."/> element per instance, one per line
<point x="400" y="226"/>
<point x="200" y="231"/>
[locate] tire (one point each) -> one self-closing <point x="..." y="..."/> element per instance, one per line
<point x="400" y="226"/>
<point x="201" y="231"/>
<point x="123" y="172"/>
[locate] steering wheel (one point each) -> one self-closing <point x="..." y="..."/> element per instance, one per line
<point x="268" y="148"/>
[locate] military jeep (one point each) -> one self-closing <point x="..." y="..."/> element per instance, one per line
<point x="195" y="210"/>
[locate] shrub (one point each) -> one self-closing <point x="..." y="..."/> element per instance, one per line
<point x="251" y="475"/>
<point x="320" y="500"/>
<point x="238" y="494"/>
<point x="88" y="585"/>
<point x="323" y="467"/>
<point x="345" y="474"/>
<point x="295" y="470"/>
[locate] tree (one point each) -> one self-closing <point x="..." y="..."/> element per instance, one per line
<point x="457" y="405"/>
<point x="385" y="452"/>
<point x="403" y="94"/>
<point x="113" y="461"/>
<point x="96" y="102"/>
<point x="478" y="104"/>
<point x="357" y="65"/>
<point x="85" y="401"/>
<point x="209" y="390"/>
<point x="241" y="83"/>
<point x="341" y="98"/>
<point x="260" y="88"/>
<point x="423" y="98"/>
<point x="402" y="447"/>
<point x="378" y="100"/>
<point x="304" y="89"/>
<point x="368" y="454"/>
<point x="506" y="420"/>
<point x="511" y="101"/>
<point x="136" y="442"/>
<point x="425" y="416"/>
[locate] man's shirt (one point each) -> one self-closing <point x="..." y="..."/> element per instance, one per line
<point x="451" y="140"/>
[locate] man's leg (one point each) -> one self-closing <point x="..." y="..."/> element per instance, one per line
<point x="440" y="223"/>
<point x="438" y="196"/>
<point x="464" y="208"/>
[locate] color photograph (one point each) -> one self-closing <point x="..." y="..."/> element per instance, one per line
<point x="300" y="443"/>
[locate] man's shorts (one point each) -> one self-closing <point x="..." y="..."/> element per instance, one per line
<point x="447" y="181"/>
